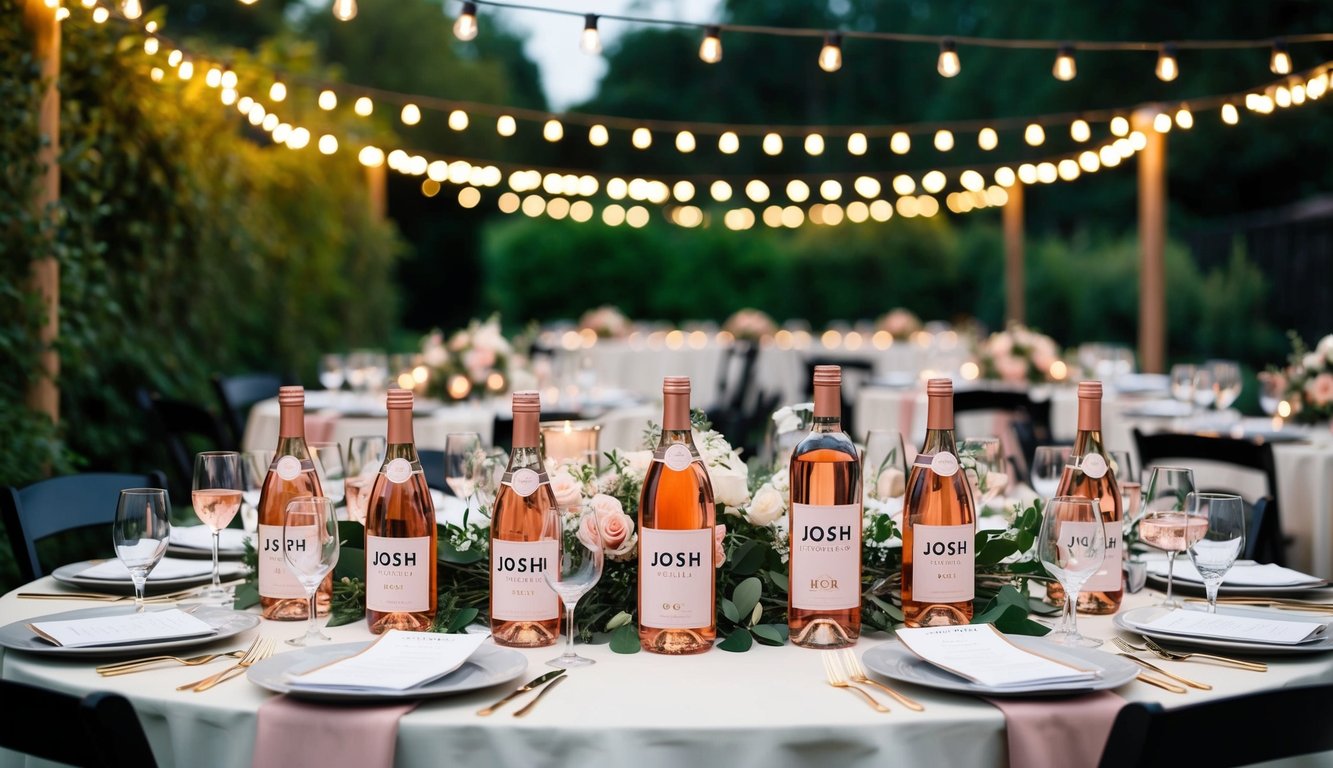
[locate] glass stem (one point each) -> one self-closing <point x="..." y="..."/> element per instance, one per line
<point x="569" y="632"/>
<point x="140" y="579"/>
<point x="217" y="581"/>
<point x="1211" y="586"/>
<point x="310" y="630"/>
<point x="1170" y="572"/>
<point x="1069" y="619"/>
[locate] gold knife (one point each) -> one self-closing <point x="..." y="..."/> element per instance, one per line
<point x="535" y="682"/>
<point x="528" y="707"/>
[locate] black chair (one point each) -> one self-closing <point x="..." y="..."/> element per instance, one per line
<point x="60" y="505"/>
<point x="432" y="463"/>
<point x="740" y="408"/>
<point x="1276" y="724"/>
<point x="1266" y="543"/>
<point x="99" y="730"/>
<point x="185" y="429"/>
<point x="1030" y="420"/>
<point x="237" y="394"/>
<point x="855" y="374"/>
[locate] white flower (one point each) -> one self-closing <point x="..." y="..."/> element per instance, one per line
<point x="788" y="417"/>
<point x="768" y="505"/>
<point x="489" y="337"/>
<point x="435" y="356"/>
<point x="1325" y="346"/>
<point x="731" y="482"/>
<point x="568" y="490"/>
<point x="1312" y="361"/>
<point x="637" y="462"/>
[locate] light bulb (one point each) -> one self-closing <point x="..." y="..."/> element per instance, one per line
<point x="327" y="100"/>
<point x="364" y="106"/>
<point x="213" y="78"/>
<point x="1230" y="115"/>
<point x="933" y="182"/>
<point x="590" y="41"/>
<point x="1161" y="123"/>
<point x="151" y="45"/>
<point x="133" y="9"/>
<point x="229" y="79"/>
<point x="411" y="114"/>
<point x="814" y="144"/>
<point x="1280" y="60"/>
<point x="972" y="181"/>
<point x="553" y="131"/>
<point x="1119" y="126"/>
<point x="1184" y="118"/>
<point x="772" y="144"/>
<point x="1167" y="67"/>
<point x="344" y="10"/>
<point x="710" y="50"/>
<point x="458" y="120"/>
<point x="642" y="138"/>
<point x="900" y="143"/>
<point x="174" y="58"/>
<point x="948" y="64"/>
<point x="62" y="13"/>
<point x="1034" y="135"/>
<point x="1079" y="130"/>
<point x="856" y="144"/>
<point x="328" y="144"/>
<point x="277" y="92"/>
<point x="830" y="56"/>
<point x="465" y="26"/>
<point x="987" y="139"/>
<point x="728" y="143"/>
<point x="685" y="142"/>
<point x="228" y="96"/>
<point x="1065" y="69"/>
<point x="186" y="70"/>
<point x="597" y="135"/>
<point x="943" y="140"/>
<point x="100" y="15"/>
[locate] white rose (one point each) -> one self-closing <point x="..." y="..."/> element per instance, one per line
<point x="1312" y="361"/>
<point x="637" y="462"/>
<point x="568" y="491"/>
<point x="785" y="420"/>
<point x="1325" y="346"/>
<point x="890" y="485"/>
<point x="730" y="481"/>
<point x="768" y="505"/>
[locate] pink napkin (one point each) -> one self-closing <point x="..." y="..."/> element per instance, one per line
<point x="300" y="734"/>
<point x="1059" y="732"/>
<point x="319" y="427"/>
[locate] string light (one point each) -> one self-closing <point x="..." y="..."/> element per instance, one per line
<point x="229" y="79"/>
<point x="328" y="100"/>
<point x="757" y="191"/>
<point x="720" y="190"/>
<point x="590" y="42"/>
<point x="948" y="64"/>
<point x="344" y="10"/>
<point x="900" y="143"/>
<point x="277" y="92"/>
<point x="1064" y="69"/>
<point x="598" y="136"/>
<point x="62" y="13"/>
<point x="642" y="138"/>
<point x="685" y="142"/>
<point x="175" y="58"/>
<point x="830" y="189"/>
<point x="1161" y="122"/>
<point x="934" y="181"/>
<point x="1119" y="126"/>
<point x="772" y="144"/>
<point x="1167" y="67"/>
<point x="728" y="143"/>
<point x="830" y="56"/>
<point x="213" y="78"/>
<point x="944" y="140"/>
<point x="987" y="139"/>
<point x="1230" y="115"/>
<point x="458" y="120"/>
<point x="100" y="15"/>
<point x="1005" y="177"/>
<point x="133" y="9"/>
<point x="186" y="70"/>
<point x="1184" y="118"/>
<point x="465" y="26"/>
<point x="151" y="45"/>
<point x="1034" y="135"/>
<point x="553" y="131"/>
<point x="814" y="144"/>
<point x="411" y="114"/>
<point x="328" y="144"/>
<point x="1080" y="131"/>
<point x="902" y="184"/>
<point x="683" y="191"/>
<point x="710" y="49"/>
<point x="364" y="106"/>
<point x="1279" y="61"/>
<point x="797" y="191"/>
<point x="857" y="144"/>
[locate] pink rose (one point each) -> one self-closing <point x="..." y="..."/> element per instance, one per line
<point x="1320" y="389"/>
<point x="609" y="516"/>
<point x="615" y="530"/>
<point x="719" y="553"/>
<point x="567" y="489"/>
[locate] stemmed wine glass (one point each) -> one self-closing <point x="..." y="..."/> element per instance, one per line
<point x="1048" y="466"/>
<point x="1272" y="389"/>
<point x="140" y="533"/>
<point x="490" y="470"/>
<point x="1165" y="523"/>
<point x="216" y="496"/>
<point x="1182" y="383"/>
<point x="462" y="451"/>
<point x="1205" y="387"/>
<point x="580" y="566"/>
<point x="1226" y="382"/>
<point x="330" y="469"/>
<point x="310" y="549"/>
<point x="365" y="454"/>
<point x="1222" y="541"/>
<point x="332" y="371"/>
<point x="983" y="461"/>
<point x="254" y="469"/>
<point x="1072" y="545"/>
<point x="886" y="468"/>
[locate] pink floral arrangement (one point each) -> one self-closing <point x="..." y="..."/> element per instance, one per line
<point x="1017" y="355"/>
<point x="473" y="360"/>
<point x="900" y="323"/>
<point x="607" y="322"/>
<point x="1307" y="380"/>
<point x="750" y="324"/>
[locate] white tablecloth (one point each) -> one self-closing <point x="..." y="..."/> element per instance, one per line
<point x="769" y="707"/>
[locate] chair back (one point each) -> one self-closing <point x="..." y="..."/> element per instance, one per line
<point x="432" y="464"/>
<point x="99" y="730"/>
<point x="186" y="429"/>
<point x="63" y="504"/>
<point x="237" y="394"/>
<point x="1030" y="420"/>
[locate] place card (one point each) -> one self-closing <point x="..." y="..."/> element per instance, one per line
<point x="396" y="661"/>
<point x="127" y="629"/>
<point x="980" y="653"/>
<point x="1224" y="626"/>
<point x="167" y="568"/>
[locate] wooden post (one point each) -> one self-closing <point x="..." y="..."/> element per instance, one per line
<point x="1015" y="307"/>
<point x="377" y="180"/>
<point x="1152" y="245"/>
<point x="40" y="21"/>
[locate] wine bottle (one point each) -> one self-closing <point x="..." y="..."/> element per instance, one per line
<point x="939" y="524"/>
<point x="824" y="526"/>
<point x="400" y="532"/>
<point x="1089" y="474"/>
<point x="676" y="517"/>
<point x="290" y="475"/>
<point x="525" y="613"/>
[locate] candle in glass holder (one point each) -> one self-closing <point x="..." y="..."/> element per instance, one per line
<point x="569" y="440"/>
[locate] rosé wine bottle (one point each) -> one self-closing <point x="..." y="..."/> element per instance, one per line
<point x="1089" y="474"/>
<point x="939" y="524"/>
<point x="676" y="518"/>
<point x="525" y="613"/>
<point x="291" y="475"/>
<point x="824" y="526"/>
<point x="400" y="532"/>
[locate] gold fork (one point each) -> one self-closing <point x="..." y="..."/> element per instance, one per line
<point x="854" y="670"/>
<point x="259" y="650"/>
<point x="1154" y="668"/>
<point x="1253" y="666"/>
<point x="126" y="667"/>
<point x="837" y="679"/>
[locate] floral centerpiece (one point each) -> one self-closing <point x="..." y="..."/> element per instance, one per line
<point x="607" y="322"/>
<point x="900" y="323"/>
<point x="1307" y="380"/>
<point x="1017" y="355"/>
<point x="750" y="324"/>
<point x="475" y="360"/>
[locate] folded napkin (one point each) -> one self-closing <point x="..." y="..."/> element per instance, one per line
<point x="1241" y="574"/>
<point x="1059" y="732"/>
<point x="201" y="537"/>
<point x="319" y="427"/>
<point x="300" y="734"/>
<point x="167" y="568"/>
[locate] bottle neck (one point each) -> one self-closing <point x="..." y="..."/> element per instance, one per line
<point x="675" y="413"/>
<point x="826" y="424"/>
<point x="1089" y="437"/>
<point x="1087" y="442"/>
<point x="939" y="440"/>
<point x="828" y="406"/>
<point x="526" y="457"/>
<point x="406" y="450"/>
<point x="527" y="430"/>
<point x="291" y="422"/>
<point x="672" y="436"/>
<point x="939" y="413"/>
<point x="400" y="426"/>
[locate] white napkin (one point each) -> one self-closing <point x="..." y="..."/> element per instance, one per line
<point x="201" y="537"/>
<point x="1224" y="626"/>
<point x="123" y="629"/>
<point x="1241" y="574"/>
<point x="167" y="568"/>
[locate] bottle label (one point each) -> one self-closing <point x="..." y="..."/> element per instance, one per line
<point x="944" y="464"/>
<point x="276" y="579"/>
<point x="677" y="457"/>
<point x="518" y="580"/>
<point x="676" y="578"/>
<point x="288" y="467"/>
<point x="398" y="471"/>
<point x="1108" y="577"/>
<point x="398" y="574"/>
<point x="1092" y="465"/>
<point x="943" y="563"/>
<point x="825" y="557"/>
<point x="525" y="481"/>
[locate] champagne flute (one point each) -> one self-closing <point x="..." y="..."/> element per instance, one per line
<point x="885" y="462"/>
<point x="310" y="549"/>
<point x="216" y="494"/>
<point x="1164" y="522"/>
<point x="1072" y="545"/>
<point x="580" y="567"/>
<point x="254" y="468"/>
<point x="983" y="461"/>
<point x="461" y="450"/>
<point x="330" y="469"/>
<point x="1048" y="466"/>
<point x="1227" y="381"/>
<point x="140" y="533"/>
<point x="1222" y="541"/>
<point x="365" y="454"/>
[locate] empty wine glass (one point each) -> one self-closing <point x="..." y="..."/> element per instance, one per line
<point x="1048" y="466"/>
<point x="140" y="533"/>
<point x="332" y="371"/>
<point x="1205" y="387"/>
<point x="254" y="468"/>
<point x="330" y="469"/>
<point x="490" y="470"/>
<point x="216" y="495"/>
<point x="310" y="549"/>
<point x="1164" y="523"/>
<point x="982" y="459"/>
<point x="580" y="566"/>
<point x="1122" y="464"/>
<point x="462" y="451"/>
<point x="1272" y="389"/>
<point x="1226" y="382"/>
<point x="1072" y="545"/>
<point x="885" y="464"/>
<point x="1182" y="382"/>
<point x="1222" y="541"/>
<point x="365" y="454"/>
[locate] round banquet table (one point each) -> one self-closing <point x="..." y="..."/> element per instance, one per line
<point x="768" y="707"/>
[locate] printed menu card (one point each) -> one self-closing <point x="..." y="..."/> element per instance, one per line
<point x="123" y="629"/>
<point x="396" y="661"/>
<point x="978" y="652"/>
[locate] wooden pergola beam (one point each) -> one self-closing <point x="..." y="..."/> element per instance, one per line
<point x="44" y="279"/>
<point x="1152" y="245"/>
<point x="1015" y="304"/>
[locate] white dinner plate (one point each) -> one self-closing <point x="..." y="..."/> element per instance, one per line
<point x="227" y="622"/>
<point x="1128" y="620"/>
<point x="196" y="544"/>
<point x="1196" y="587"/>
<point x="69" y="574"/>
<point x="490" y="665"/>
<point x="894" y="661"/>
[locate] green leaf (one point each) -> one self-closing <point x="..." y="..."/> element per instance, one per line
<point x="449" y="554"/>
<point x="748" y="558"/>
<point x="739" y="641"/>
<point x="247" y="596"/>
<point x="1013" y="620"/>
<point x="770" y="634"/>
<point x="618" y="621"/>
<point x="995" y="550"/>
<point x="730" y="612"/>
<point x="352" y="563"/>
<point x="461" y="620"/>
<point x="746" y="595"/>
<point x="1043" y="608"/>
<point x="625" y="640"/>
<point x="890" y="610"/>
<point x="779" y="580"/>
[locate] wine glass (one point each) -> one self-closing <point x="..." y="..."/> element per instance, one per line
<point x="1163" y="524"/>
<point x="310" y="549"/>
<point x="1048" y="466"/>
<point x="1226" y="382"/>
<point x="885" y="464"/>
<point x="983" y="460"/>
<point x="332" y="371"/>
<point x="140" y="533"/>
<point x="1122" y="464"/>
<point x="330" y="469"/>
<point x="1222" y="541"/>
<point x="1272" y="389"/>
<point x="1205" y="387"/>
<point x="461" y="452"/>
<point x="1072" y="545"/>
<point x="580" y="566"/>
<point x="254" y="469"/>
<point x="1182" y="382"/>
<point x="365" y="454"/>
<point x="490" y="470"/>
<point x="216" y="494"/>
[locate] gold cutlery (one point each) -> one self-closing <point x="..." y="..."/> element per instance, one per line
<point x="1254" y="666"/>
<point x="837" y="679"/>
<point x="535" y="682"/>
<point x="528" y="707"/>
<point x="1164" y="685"/>
<point x="102" y="597"/>
<point x="259" y="650"/>
<point x="138" y="665"/>
<point x="854" y="670"/>
<point x="1154" y="668"/>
